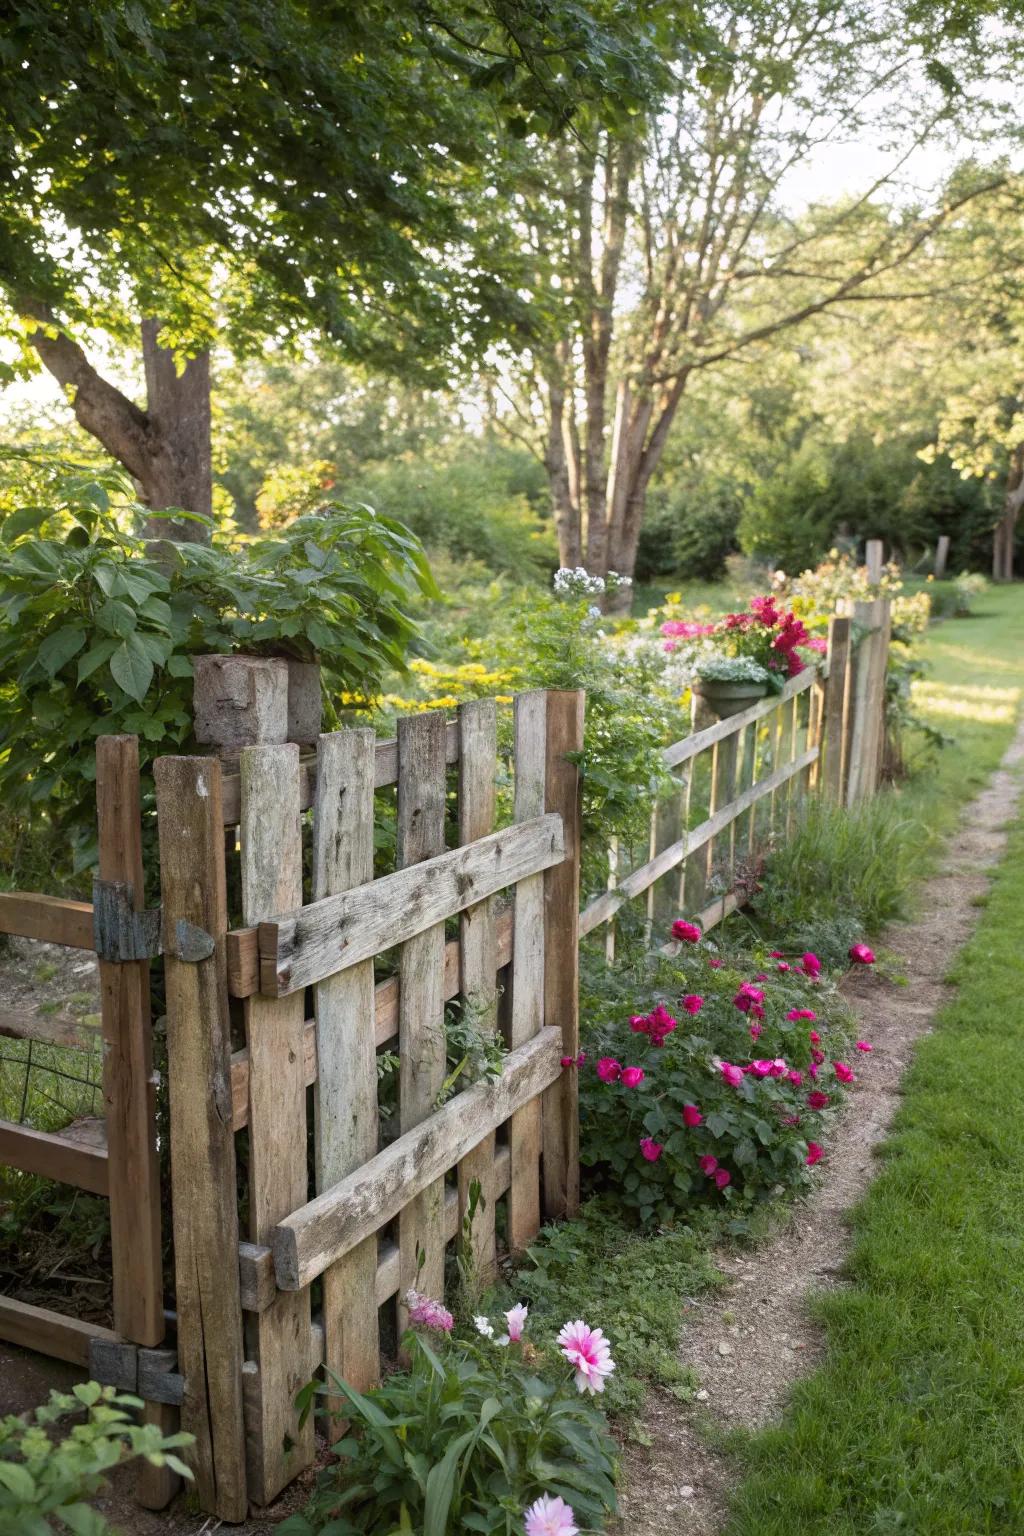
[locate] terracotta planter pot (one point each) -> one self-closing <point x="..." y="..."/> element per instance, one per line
<point x="725" y="699"/>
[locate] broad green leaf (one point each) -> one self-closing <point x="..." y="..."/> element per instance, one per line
<point x="19" y="1480"/>
<point x="131" y="669"/>
<point x="59" y="647"/>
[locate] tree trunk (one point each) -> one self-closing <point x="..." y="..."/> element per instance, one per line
<point x="1006" y="528"/>
<point x="563" y="504"/>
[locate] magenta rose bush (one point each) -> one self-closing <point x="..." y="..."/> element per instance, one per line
<point x="711" y="1078"/>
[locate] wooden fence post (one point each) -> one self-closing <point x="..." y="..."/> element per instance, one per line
<point x="204" y="1195"/>
<point x="941" y="556"/>
<point x="271" y="849"/>
<point x="129" y="1095"/>
<point x="875" y="559"/>
<point x="421" y="1034"/>
<point x="561" y="953"/>
<point x="478" y="958"/>
<point x="868" y="693"/>
<point x="837" y="703"/>
<point x="346" y="1086"/>
<point x="527" y="971"/>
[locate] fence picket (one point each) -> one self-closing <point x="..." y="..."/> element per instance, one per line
<point x="421" y="1033"/>
<point x="346" y="1084"/>
<point x="527" y="971"/>
<point x="478" y="739"/>
<point x="271" y="850"/>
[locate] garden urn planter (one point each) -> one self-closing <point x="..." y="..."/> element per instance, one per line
<point x="725" y="699"/>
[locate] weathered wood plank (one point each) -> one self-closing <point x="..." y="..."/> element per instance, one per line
<point x="301" y="947"/>
<point x="837" y="705"/>
<point x="346" y="1125"/>
<point x="690" y="746"/>
<point x="421" y="1032"/>
<point x="561" y="1131"/>
<point x="53" y="1156"/>
<point x="527" y="977"/>
<point x="385" y="773"/>
<point x="385" y="1021"/>
<point x="599" y="910"/>
<point x="204" y="1195"/>
<point x="271" y="858"/>
<point x="48" y="918"/>
<point x="66" y="1030"/>
<point x="129" y="1084"/>
<point x="313" y="1237"/>
<point x="478" y="757"/>
<point x="50" y="1333"/>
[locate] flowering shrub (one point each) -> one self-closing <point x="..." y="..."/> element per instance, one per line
<point x="759" y="646"/>
<point x="477" y="1435"/>
<point x="714" y="1087"/>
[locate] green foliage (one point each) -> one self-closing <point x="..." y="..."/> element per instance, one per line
<point x="463" y="1441"/>
<point x="688" y="532"/>
<point x="97" y="632"/>
<point x="46" y="1483"/>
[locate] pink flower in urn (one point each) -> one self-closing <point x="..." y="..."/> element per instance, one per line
<point x="651" y="1150"/>
<point x="588" y="1351"/>
<point x="550" y="1517"/>
<point x="691" y="1115"/>
<point x="813" y="1153"/>
<point x="861" y="954"/>
<point x="863" y="1045"/>
<point x="733" y="1075"/>
<point x="722" y="1177"/>
<point x="688" y="932"/>
<point x="632" y="1077"/>
<point x="608" y="1069"/>
<point x="693" y="1003"/>
<point x="707" y="1164"/>
<point x="842" y="1071"/>
<point x="425" y="1312"/>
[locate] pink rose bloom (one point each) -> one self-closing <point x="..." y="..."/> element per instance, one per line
<point x="814" y="1037"/>
<point x="761" y="976"/>
<point x="862" y="954"/>
<point x="760" y="1068"/>
<point x="791" y="1119"/>
<point x="639" y="1023"/>
<point x="608" y="1069"/>
<point x="795" y="1077"/>
<point x="801" y="1013"/>
<point x="817" y="1055"/>
<point x="810" y="964"/>
<point x="818" y="643"/>
<point x="424" y="1312"/>
<point x="755" y="1030"/>
<point x="747" y="996"/>
<point x="783" y="965"/>
<point x="817" y="1100"/>
<point x="862" y="1045"/>
<point x="812" y="1070"/>
<point x="842" y="1071"/>
<point x="707" y="1164"/>
<point x="764" y="608"/>
<point x="722" y="1177"/>
<point x="550" y="1517"/>
<point x="651" y="1150"/>
<point x="779" y="1068"/>
<point x="691" y="1115"/>
<point x="689" y="932"/>
<point x="813" y="1153"/>
<point x="574" y="1061"/>
<point x="588" y="1351"/>
<point x="732" y="1075"/>
<point x="714" y="962"/>
<point x="516" y="1320"/>
<point x="693" y="1003"/>
<point x="632" y="1076"/>
<point x="775" y="954"/>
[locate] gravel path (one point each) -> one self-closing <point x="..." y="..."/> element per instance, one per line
<point x="751" y="1339"/>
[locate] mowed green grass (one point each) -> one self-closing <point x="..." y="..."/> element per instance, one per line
<point x="915" y="1425"/>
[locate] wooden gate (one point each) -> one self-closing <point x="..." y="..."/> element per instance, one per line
<point x="364" y="1217"/>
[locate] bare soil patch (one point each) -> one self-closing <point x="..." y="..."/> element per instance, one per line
<point x="749" y="1341"/>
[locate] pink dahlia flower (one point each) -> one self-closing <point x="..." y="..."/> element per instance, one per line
<point x="747" y="997"/>
<point x="693" y="1003"/>
<point x="588" y="1351"/>
<point x="550" y="1517"/>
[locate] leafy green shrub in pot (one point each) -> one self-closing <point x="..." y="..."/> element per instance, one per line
<point x="98" y="628"/>
<point x="479" y="1434"/>
<point x="46" y="1483"/>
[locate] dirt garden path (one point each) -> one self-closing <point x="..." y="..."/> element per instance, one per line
<point x="749" y="1341"/>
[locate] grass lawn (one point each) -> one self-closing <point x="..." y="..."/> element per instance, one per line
<point x="916" y="1422"/>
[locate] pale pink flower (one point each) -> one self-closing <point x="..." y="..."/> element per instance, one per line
<point x="650" y="1149"/>
<point x="588" y="1351"/>
<point x="515" y="1317"/>
<point x="550" y="1517"/>
<point x="425" y="1312"/>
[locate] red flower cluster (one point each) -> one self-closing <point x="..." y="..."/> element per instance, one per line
<point x="655" y="1025"/>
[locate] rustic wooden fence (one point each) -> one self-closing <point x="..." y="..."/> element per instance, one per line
<point x="297" y="1228"/>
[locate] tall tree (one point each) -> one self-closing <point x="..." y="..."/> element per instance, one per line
<point x="255" y="170"/>
<point x="673" y="247"/>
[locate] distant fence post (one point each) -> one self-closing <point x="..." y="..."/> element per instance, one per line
<point x="837" y="704"/>
<point x="561" y="953"/>
<point x="875" y="558"/>
<point x="941" y="556"/>
<point x="867" y="732"/>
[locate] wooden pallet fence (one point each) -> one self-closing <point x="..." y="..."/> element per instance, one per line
<point x="380" y="1219"/>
